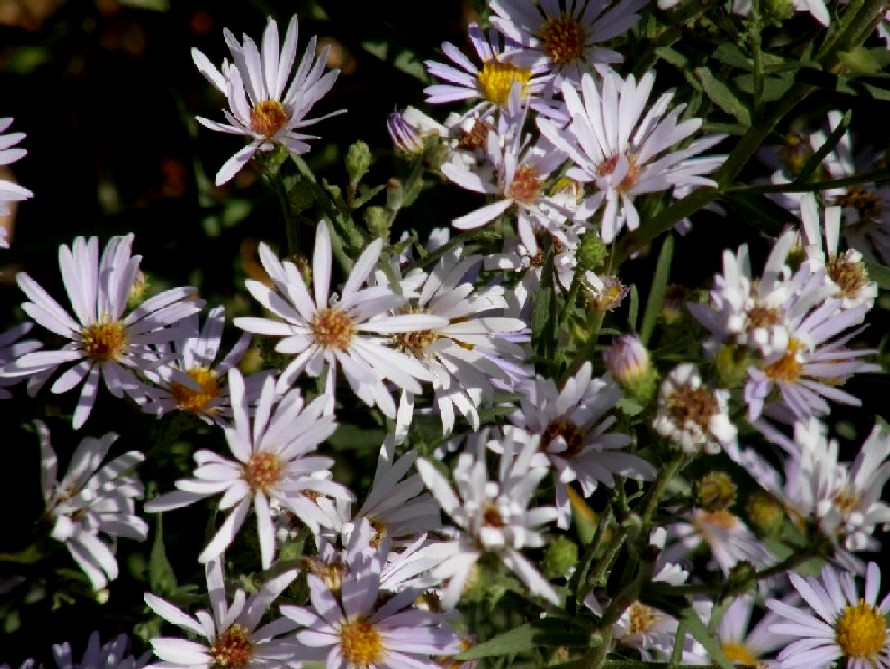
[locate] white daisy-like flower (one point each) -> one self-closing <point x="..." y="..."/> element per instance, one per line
<point x="572" y="429"/>
<point x="569" y="36"/>
<point x="107" y="339"/>
<point x="493" y="516"/>
<point x="230" y="635"/>
<point x="274" y="460"/>
<point x="750" y="647"/>
<point x="347" y="333"/>
<point x="845" y="269"/>
<point x="842" y="623"/>
<point x="12" y="347"/>
<point x="352" y="627"/>
<point x="691" y="414"/>
<point x="477" y="347"/>
<point x="515" y="175"/>
<point x="502" y="67"/>
<point x="9" y="153"/>
<point x="109" y="655"/>
<point x="725" y="534"/>
<point x="192" y="380"/>
<point x="624" y="152"/>
<point x="90" y="500"/>
<point x="262" y="106"/>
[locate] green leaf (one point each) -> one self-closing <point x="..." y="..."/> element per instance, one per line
<point x="672" y="56"/>
<point x="633" y="311"/>
<point x="878" y="273"/>
<point x="759" y="211"/>
<point x="722" y="96"/>
<point x="544" y="632"/>
<point x="864" y="60"/>
<point x="544" y="312"/>
<point x="400" y="58"/>
<point x="698" y="630"/>
<point x="160" y="572"/>
<point x="730" y="54"/>
<point x="773" y="87"/>
<point x="657" y="291"/>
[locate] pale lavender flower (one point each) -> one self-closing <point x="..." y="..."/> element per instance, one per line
<point x="12" y="347"/>
<point x="107" y="339"/>
<point x="274" y="460"/>
<point x="842" y="623"/>
<point x="262" y="106"/>
<point x="90" y="500"/>
<point x="572" y="428"/>
<point x="109" y="655"/>
<point x="492" y="516"/>
<point x="191" y="379"/>
<point x="9" y="153"/>
<point x="568" y="36"/>
<point x="230" y="635"/>
<point x="352" y="627"/>
<point x="625" y="152"/>
<point x="349" y="332"/>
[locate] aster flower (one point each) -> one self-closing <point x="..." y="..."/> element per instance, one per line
<point x="191" y="380"/>
<point x="9" y="153"/>
<point x="274" y="460"/>
<point x="349" y="332"/>
<point x="260" y="107"/>
<point x="476" y="348"/>
<point x="515" y="174"/>
<point x="691" y="414"/>
<point x="568" y="39"/>
<point x="230" y="635"/>
<point x="492" y="516"/>
<point x="624" y="153"/>
<point x="12" y="347"/>
<point x="841" y="623"/>
<point x="109" y="655"/>
<point x="352" y="627"/>
<point x="572" y="430"/>
<point x="503" y="66"/>
<point x="846" y="269"/>
<point x="105" y="340"/>
<point x="750" y="647"/>
<point x="90" y="500"/>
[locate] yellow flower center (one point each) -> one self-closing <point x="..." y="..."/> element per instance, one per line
<point x="415" y="342"/>
<point x="361" y="644"/>
<point x="865" y="202"/>
<point x="738" y="653"/>
<point x="333" y="328"/>
<point x="526" y="187"/>
<point x="262" y="471"/>
<point x="232" y="649"/>
<point x="496" y="79"/>
<point x="563" y="39"/>
<point x="641" y="618"/>
<point x="788" y="367"/>
<point x="195" y="400"/>
<point x="268" y="117"/>
<point x="104" y="341"/>
<point x="861" y="631"/>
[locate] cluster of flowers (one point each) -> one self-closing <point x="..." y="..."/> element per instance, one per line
<point x="562" y="146"/>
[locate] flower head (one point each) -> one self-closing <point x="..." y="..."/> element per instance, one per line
<point x="9" y="191"/>
<point x="262" y="106"/>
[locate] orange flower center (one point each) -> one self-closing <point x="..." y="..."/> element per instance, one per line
<point x="268" y="117"/>
<point x="526" y="187"/>
<point x="360" y="643"/>
<point x="262" y="471"/>
<point x="333" y="328"/>
<point x="232" y="649"/>
<point x="563" y="39"/>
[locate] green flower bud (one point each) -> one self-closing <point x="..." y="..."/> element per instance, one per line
<point x="715" y="492"/>
<point x="765" y="513"/>
<point x="628" y="362"/>
<point x="777" y="11"/>
<point x="378" y="220"/>
<point x="731" y="363"/>
<point x="591" y="252"/>
<point x="358" y="160"/>
<point x="561" y="556"/>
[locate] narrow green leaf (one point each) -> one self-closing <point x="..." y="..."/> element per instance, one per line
<point x="544" y="632"/>
<point x="730" y="54"/>
<point x="758" y="211"/>
<point x="672" y="56"/>
<point x="878" y="273"/>
<point x="160" y="572"/>
<point x="722" y="96"/>
<point x="633" y="311"/>
<point x="698" y="630"/>
<point x="657" y="291"/>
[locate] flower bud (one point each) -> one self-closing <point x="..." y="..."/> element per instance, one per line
<point x="731" y="364"/>
<point x="591" y="252"/>
<point x="358" y="160"/>
<point x="394" y="194"/>
<point x="765" y="514"/>
<point x="560" y="558"/>
<point x="715" y="492"/>
<point x="628" y="362"/>
<point x="379" y="221"/>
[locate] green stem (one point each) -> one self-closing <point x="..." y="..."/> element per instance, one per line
<point x="580" y="574"/>
<point x="878" y="176"/>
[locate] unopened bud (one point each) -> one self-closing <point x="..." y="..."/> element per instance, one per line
<point x="591" y="252"/>
<point x="765" y="513"/>
<point x="628" y="362"/>
<point x="379" y="221"/>
<point x="561" y="556"/>
<point x="394" y="195"/>
<point x="715" y="492"/>
<point x="358" y="160"/>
